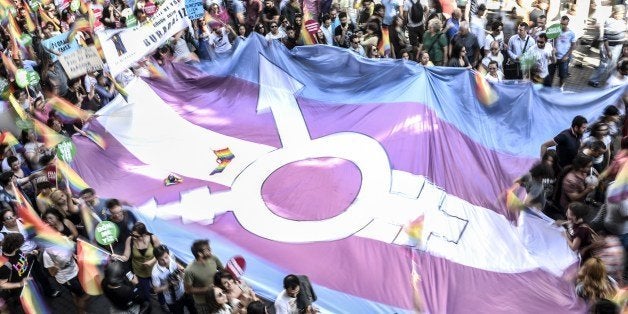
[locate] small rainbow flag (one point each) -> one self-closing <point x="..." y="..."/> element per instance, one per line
<point x="98" y="46"/>
<point x="80" y="25"/>
<point x="384" y="44"/>
<point x="224" y="158"/>
<point x="7" y="138"/>
<point x="45" y="18"/>
<point x="90" y="276"/>
<point x="18" y="109"/>
<point x="513" y="203"/>
<point x="44" y="234"/>
<point x="415" y="228"/>
<point x="32" y="300"/>
<point x="48" y="135"/>
<point x="120" y="89"/>
<point x="8" y="64"/>
<point x="97" y="139"/>
<point x="67" y="111"/>
<point x="156" y="71"/>
<point x="485" y="93"/>
<point x="14" y="29"/>
<point x="28" y="17"/>
<point x="618" y="190"/>
<point x="74" y="180"/>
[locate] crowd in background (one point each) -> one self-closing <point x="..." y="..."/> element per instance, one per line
<point x="569" y="184"/>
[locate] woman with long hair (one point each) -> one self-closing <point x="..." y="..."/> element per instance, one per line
<point x="218" y="301"/>
<point x="238" y="292"/>
<point x="140" y="247"/>
<point x="398" y="39"/>
<point x="459" y="57"/>
<point x="594" y="283"/>
<point x="370" y="38"/>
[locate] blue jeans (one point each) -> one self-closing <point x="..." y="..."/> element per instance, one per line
<point x="606" y="65"/>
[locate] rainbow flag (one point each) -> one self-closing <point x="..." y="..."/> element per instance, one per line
<point x="28" y="17"/>
<point x="32" y="300"/>
<point x="7" y="138"/>
<point x="85" y="7"/>
<point x="307" y="36"/>
<point x="74" y="180"/>
<point x="485" y="93"/>
<point x="98" y="46"/>
<point x="120" y="89"/>
<point x="97" y="139"/>
<point x="384" y="44"/>
<point x="156" y="71"/>
<point x="618" y="190"/>
<point x="48" y="135"/>
<point x="45" y="18"/>
<point x="44" y="234"/>
<point x="6" y="4"/>
<point x="67" y="111"/>
<point x="8" y="64"/>
<point x="14" y="29"/>
<point x="88" y="258"/>
<point x="80" y="25"/>
<point x="415" y="228"/>
<point x="513" y="203"/>
<point x="18" y="109"/>
<point x="224" y="158"/>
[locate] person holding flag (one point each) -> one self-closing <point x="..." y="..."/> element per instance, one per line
<point x="61" y="264"/>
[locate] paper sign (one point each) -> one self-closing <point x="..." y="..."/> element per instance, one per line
<point x="81" y="61"/>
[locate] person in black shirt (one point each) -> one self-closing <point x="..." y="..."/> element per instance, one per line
<point x="121" y="290"/>
<point x="567" y="142"/>
<point x="14" y="271"/>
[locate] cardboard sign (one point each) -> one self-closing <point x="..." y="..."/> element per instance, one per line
<point x="194" y="9"/>
<point x="80" y="62"/>
<point x="60" y="44"/>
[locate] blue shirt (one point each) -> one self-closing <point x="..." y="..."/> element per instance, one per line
<point x="564" y="42"/>
<point x="391" y="9"/>
<point x="453" y="25"/>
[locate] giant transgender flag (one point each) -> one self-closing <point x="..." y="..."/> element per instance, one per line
<point x="332" y="158"/>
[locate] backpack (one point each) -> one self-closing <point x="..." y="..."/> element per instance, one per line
<point x="416" y="12"/>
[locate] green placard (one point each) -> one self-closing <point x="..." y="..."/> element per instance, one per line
<point x="553" y="31"/>
<point x="66" y="151"/>
<point x="131" y="21"/>
<point x="106" y="232"/>
<point x="32" y="77"/>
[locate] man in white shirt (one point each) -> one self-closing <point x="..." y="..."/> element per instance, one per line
<point x="275" y="33"/>
<point x="166" y="278"/>
<point x="61" y="265"/>
<point x="327" y="29"/>
<point x="493" y="55"/>
<point x="219" y="38"/>
<point x="355" y="46"/>
<point x="478" y="25"/>
<point x="520" y="43"/>
<point x="286" y="301"/>
<point x="494" y="75"/>
<point x="543" y="54"/>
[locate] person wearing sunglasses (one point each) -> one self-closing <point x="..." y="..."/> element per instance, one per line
<point x="275" y="32"/>
<point x="355" y="46"/>
<point x="494" y="54"/>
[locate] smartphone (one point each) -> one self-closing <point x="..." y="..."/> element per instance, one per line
<point x="129" y="275"/>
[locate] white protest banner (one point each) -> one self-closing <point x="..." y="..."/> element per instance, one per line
<point x="81" y="61"/>
<point x="60" y="44"/>
<point x="124" y="47"/>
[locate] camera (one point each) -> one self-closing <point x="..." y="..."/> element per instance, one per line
<point x="175" y="277"/>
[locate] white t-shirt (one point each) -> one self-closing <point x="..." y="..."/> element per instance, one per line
<point x="542" y="57"/>
<point x="181" y="50"/>
<point x="285" y="304"/>
<point x="159" y="277"/>
<point x="29" y="245"/>
<point x="490" y="57"/>
<point x="280" y="34"/>
<point x="64" y="261"/>
<point x="489" y="39"/>
<point x="492" y="79"/>
<point x="221" y="42"/>
<point x="477" y="27"/>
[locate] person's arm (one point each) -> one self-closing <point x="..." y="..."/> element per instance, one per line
<point x="575" y="196"/>
<point x="127" y="251"/>
<point x="5" y="284"/>
<point x="511" y="47"/>
<point x="571" y="49"/>
<point x="574" y="243"/>
<point x="72" y="228"/>
<point x="546" y="145"/>
<point x="155" y="281"/>
<point x="188" y="285"/>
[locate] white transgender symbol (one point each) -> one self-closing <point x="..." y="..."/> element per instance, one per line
<point x="387" y="199"/>
<point x="375" y="212"/>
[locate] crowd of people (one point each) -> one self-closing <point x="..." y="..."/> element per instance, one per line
<point x="568" y="184"/>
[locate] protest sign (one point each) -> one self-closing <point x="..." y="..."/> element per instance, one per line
<point x="60" y="44"/>
<point x="81" y="61"/>
<point x="195" y="9"/>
